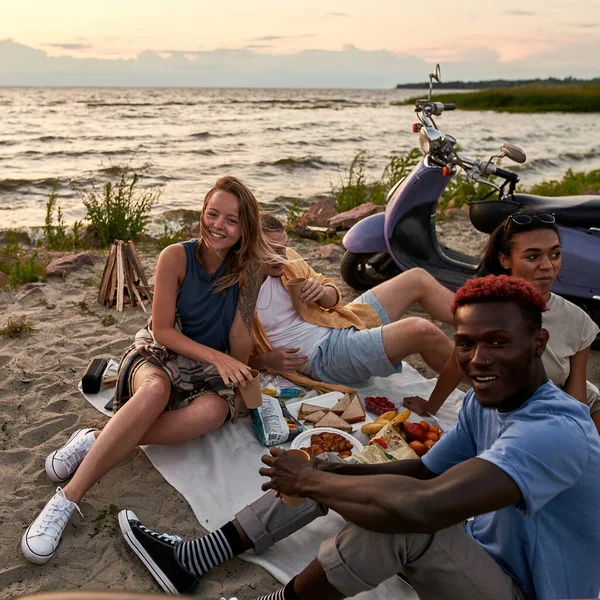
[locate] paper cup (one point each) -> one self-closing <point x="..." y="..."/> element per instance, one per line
<point x="294" y="287"/>
<point x="251" y="391"/>
<point x="295" y="500"/>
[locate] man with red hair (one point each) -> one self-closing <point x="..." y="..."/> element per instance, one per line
<point x="523" y="459"/>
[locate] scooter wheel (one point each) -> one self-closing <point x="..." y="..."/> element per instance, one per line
<point x="358" y="272"/>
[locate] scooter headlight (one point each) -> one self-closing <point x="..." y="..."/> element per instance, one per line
<point x="429" y="139"/>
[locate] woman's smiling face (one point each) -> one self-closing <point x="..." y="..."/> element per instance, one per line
<point x="535" y="256"/>
<point x="221" y="218"/>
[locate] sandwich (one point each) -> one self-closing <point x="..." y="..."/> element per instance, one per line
<point x="315" y="416"/>
<point x="355" y="412"/>
<point x="342" y="405"/>
<point x="335" y="422"/>
<point x="307" y="409"/>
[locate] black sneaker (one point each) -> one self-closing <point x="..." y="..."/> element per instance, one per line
<point x="157" y="552"/>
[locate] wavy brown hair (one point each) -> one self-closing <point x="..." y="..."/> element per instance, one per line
<point x="251" y="249"/>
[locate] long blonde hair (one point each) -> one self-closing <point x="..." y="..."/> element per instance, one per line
<point x="251" y="248"/>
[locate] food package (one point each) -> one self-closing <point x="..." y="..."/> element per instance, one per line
<point x="272" y="422"/>
<point x="388" y="445"/>
<point x="276" y="385"/>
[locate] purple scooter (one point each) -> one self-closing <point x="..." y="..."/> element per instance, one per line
<point x="404" y="236"/>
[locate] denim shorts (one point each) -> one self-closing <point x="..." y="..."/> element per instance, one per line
<point x="349" y="356"/>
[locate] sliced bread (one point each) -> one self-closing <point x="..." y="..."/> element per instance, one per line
<point x="335" y="422"/>
<point x="342" y="405"/>
<point x="306" y="409"/>
<point x="315" y="416"/>
<point x="355" y="413"/>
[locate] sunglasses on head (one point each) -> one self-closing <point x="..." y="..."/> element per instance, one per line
<point x="526" y="219"/>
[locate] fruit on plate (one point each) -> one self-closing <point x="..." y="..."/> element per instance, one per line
<point x="400" y="417"/>
<point x="419" y="448"/>
<point x="425" y="425"/>
<point x="386" y="416"/>
<point x="414" y="431"/>
<point x="373" y="428"/>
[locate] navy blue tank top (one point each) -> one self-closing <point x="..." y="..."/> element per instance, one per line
<point x="206" y="317"/>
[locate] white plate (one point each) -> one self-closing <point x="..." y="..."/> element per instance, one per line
<point x="328" y="400"/>
<point x="303" y="440"/>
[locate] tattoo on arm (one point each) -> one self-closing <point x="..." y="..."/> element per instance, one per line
<point x="249" y="294"/>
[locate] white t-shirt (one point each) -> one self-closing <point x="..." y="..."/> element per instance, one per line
<point x="571" y="330"/>
<point x="283" y="325"/>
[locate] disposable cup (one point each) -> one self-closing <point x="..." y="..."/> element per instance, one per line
<point x="294" y="287"/>
<point x="251" y="391"/>
<point x="295" y="500"/>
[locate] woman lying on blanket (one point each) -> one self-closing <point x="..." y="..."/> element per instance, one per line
<point x="194" y="350"/>
<point x="528" y="246"/>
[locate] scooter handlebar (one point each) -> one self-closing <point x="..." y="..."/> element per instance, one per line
<point x="450" y="106"/>
<point x="509" y="175"/>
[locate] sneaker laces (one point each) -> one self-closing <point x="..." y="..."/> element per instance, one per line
<point x="58" y="514"/>
<point x="165" y="537"/>
<point x="74" y="453"/>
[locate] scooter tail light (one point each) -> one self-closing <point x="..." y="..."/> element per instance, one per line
<point x="416" y="127"/>
<point x="446" y="171"/>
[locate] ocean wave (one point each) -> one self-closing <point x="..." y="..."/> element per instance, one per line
<point x="7" y="143"/>
<point x="302" y="162"/>
<point x="539" y="164"/>
<point x="205" y="152"/>
<point x="202" y="135"/>
<point x="136" y="104"/>
<point x="9" y="185"/>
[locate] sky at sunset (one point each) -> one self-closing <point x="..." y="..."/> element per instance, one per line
<point x="348" y="43"/>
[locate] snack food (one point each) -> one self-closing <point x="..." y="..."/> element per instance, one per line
<point x="315" y="416"/>
<point x="389" y="445"/>
<point x="307" y="409"/>
<point x="342" y="405"/>
<point x="329" y="442"/>
<point x="272" y="422"/>
<point x="335" y="422"/>
<point x="354" y="413"/>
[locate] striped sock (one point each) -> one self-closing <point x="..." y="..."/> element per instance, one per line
<point x="205" y="553"/>
<point x="285" y="593"/>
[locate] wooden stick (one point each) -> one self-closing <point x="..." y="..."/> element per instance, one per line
<point x="137" y="264"/>
<point x="107" y="274"/>
<point x="120" y="278"/>
<point x="127" y="268"/>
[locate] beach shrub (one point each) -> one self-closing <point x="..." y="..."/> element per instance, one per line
<point x="169" y="236"/>
<point x="57" y="236"/>
<point x="21" y="266"/>
<point x="121" y="210"/>
<point x="528" y="99"/>
<point x="571" y="184"/>
<point x="294" y="214"/>
<point x="17" y="327"/>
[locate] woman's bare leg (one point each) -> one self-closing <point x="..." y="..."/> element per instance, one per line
<point x="414" y="335"/>
<point x="415" y="285"/>
<point x="203" y="415"/>
<point x="124" y="431"/>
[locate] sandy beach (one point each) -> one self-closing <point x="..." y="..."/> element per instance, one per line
<point x="40" y="407"/>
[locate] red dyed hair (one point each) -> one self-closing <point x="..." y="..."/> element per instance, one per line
<point x="503" y="288"/>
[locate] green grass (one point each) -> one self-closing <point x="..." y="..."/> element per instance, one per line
<point x="19" y="265"/>
<point x="356" y="189"/>
<point x="528" y="99"/>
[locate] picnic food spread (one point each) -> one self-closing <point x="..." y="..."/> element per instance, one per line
<point x="342" y="416"/>
<point x="329" y="442"/>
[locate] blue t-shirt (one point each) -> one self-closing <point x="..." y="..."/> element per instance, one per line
<point x="205" y="317"/>
<point x="550" y="542"/>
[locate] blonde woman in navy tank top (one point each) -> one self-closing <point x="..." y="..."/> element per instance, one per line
<point x="177" y="381"/>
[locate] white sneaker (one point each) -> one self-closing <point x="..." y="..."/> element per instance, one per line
<point x="40" y="541"/>
<point x="62" y="463"/>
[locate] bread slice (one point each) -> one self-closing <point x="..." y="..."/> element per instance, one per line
<point x="335" y="422"/>
<point x="315" y="416"/>
<point x="342" y="405"/>
<point x="306" y="409"/>
<point x="355" y="412"/>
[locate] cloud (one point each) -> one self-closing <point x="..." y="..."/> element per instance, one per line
<point x="337" y="14"/>
<point x="521" y="13"/>
<point x="70" y="46"/>
<point x="274" y="38"/>
<point x="350" y="67"/>
<point x="258" y="46"/>
<point x="586" y="25"/>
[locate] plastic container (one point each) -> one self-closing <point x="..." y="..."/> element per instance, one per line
<point x="377" y="408"/>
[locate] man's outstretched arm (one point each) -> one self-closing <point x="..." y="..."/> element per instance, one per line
<point x="392" y="503"/>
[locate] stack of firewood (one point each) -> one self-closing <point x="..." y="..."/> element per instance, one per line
<point x="124" y="282"/>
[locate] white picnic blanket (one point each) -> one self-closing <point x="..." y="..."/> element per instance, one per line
<point x="218" y="475"/>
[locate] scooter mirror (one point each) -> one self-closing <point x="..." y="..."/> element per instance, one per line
<point x="437" y="73"/>
<point x="514" y="153"/>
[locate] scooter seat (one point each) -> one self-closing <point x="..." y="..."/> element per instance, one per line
<point x="577" y="211"/>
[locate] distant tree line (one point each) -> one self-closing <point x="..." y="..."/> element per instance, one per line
<point x="500" y="83"/>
